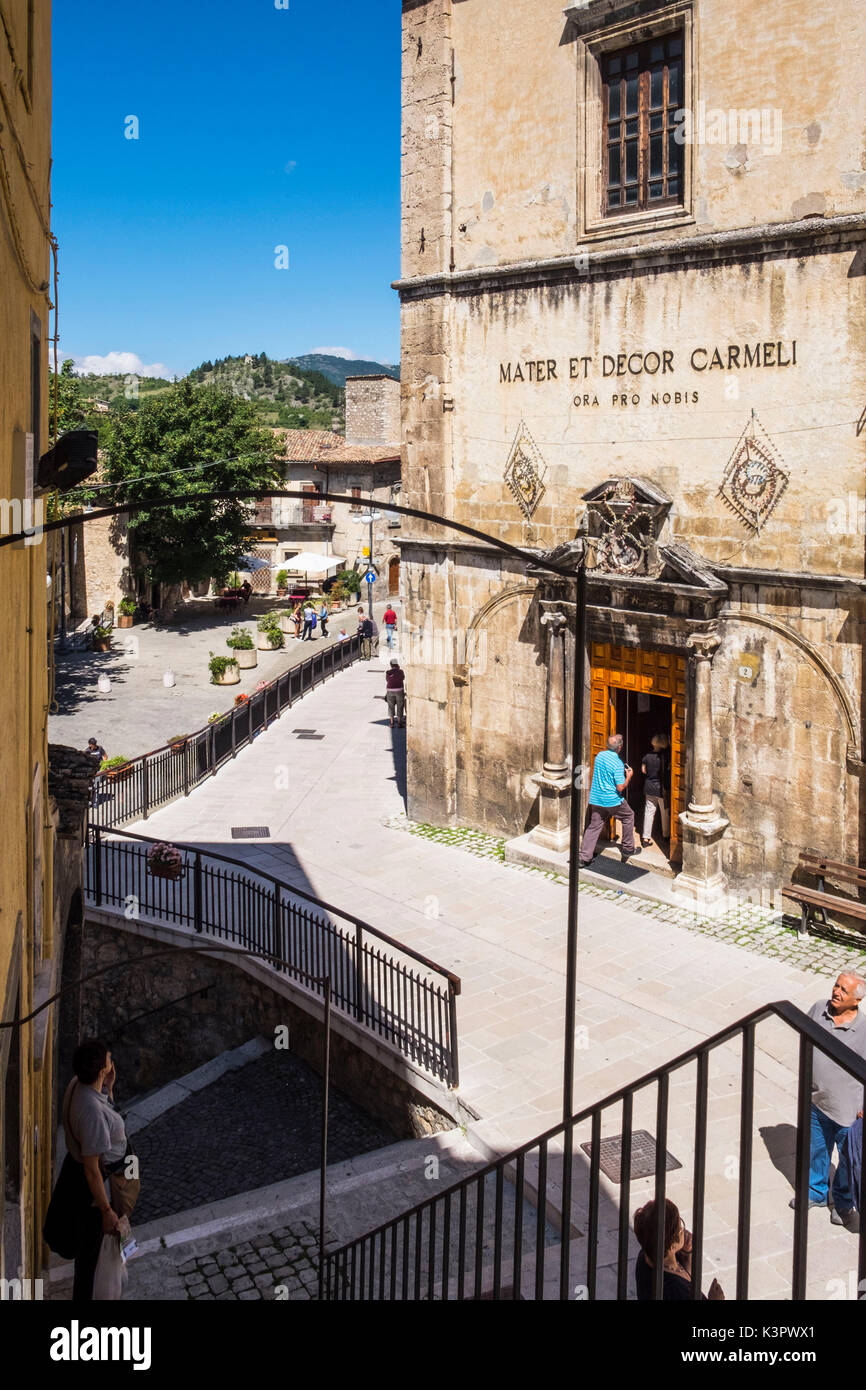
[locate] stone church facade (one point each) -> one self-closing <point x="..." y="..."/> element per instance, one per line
<point x="633" y="317"/>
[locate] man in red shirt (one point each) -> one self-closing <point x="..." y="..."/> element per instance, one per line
<point x="390" y="621"/>
<point x="395" y="692"/>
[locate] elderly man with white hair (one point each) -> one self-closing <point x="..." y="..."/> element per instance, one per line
<point x="837" y="1097"/>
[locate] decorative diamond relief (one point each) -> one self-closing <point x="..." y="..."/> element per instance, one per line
<point x="525" y="470"/>
<point x="754" y="479"/>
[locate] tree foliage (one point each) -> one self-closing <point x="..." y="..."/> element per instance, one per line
<point x="214" y="437"/>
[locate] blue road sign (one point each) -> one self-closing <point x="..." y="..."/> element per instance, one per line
<point x="370" y="577"/>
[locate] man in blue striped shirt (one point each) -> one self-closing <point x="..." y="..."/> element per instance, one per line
<point x="610" y="779"/>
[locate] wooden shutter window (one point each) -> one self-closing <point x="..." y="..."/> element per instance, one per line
<point x="642" y="89"/>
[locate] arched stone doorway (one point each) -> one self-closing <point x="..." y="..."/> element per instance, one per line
<point x="394" y="576"/>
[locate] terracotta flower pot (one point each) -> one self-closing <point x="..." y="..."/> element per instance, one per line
<point x="178" y="745"/>
<point x="125" y="620"/>
<point x="102" y="644"/>
<point x="162" y="870"/>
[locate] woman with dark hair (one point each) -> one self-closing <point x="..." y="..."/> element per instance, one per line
<point x="81" y="1212"/>
<point x="677" y="1262"/>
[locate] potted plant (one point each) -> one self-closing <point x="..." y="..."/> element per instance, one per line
<point x="216" y="717"/>
<point x="282" y="583"/>
<point x="178" y="742"/>
<point x="284" y="620"/>
<point x="242" y="699"/>
<point x="165" y="861"/>
<point x="337" y="597"/>
<point x="100" y="638"/>
<point x="234" y="580"/>
<point x="223" y="670"/>
<point x="270" y="633"/>
<point x="241" y="642"/>
<point x="126" y="612"/>
<point x="116" y="768"/>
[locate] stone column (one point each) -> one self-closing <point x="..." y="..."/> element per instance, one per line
<point x="703" y="822"/>
<point x="553" y="782"/>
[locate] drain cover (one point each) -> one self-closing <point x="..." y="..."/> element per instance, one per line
<point x="300" y="736"/>
<point x="250" y="832"/>
<point x="303" y="731"/>
<point x="643" y="1156"/>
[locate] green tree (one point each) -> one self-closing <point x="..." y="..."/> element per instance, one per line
<point x="71" y="404"/>
<point x="185" y="441"/>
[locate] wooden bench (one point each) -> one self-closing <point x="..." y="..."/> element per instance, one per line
<point x="817" y="900"/>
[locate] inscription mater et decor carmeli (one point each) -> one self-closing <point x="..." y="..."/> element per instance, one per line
<point x="654" y="366"/>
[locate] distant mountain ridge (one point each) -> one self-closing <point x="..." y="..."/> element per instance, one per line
<point x="336" y="369"/>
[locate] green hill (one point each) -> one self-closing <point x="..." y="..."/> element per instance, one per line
<point x="336" y="369"/>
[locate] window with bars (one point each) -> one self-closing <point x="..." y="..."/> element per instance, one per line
<point x="642" y="90"/>
<point x="356" y="506"/>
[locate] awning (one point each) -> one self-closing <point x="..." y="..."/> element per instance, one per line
<point x="310" y="563"/>
<point x="250" y="563"/>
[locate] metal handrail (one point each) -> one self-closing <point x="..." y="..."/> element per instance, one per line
<point x="418" y="1016"/>
<point x="298" y="893"/>
<point x="343" y="1264"/>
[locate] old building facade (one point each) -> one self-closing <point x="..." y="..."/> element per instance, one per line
<point x="365" y="465"/>
<point x="42" y="819"/>
<point x="632" y="313"/>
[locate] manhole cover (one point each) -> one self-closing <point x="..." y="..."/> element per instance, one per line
<point x="250" y="832"/>
<point x="643" y="1155"/>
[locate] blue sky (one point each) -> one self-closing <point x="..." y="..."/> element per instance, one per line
<point x="259" y="127"/>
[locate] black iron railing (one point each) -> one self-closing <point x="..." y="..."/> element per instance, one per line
<point x="403" y="998"/>
<point x="154" y="779"/>
<point x="538" y="1224"/>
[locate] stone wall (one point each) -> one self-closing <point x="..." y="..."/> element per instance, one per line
<point x="372" y="410"/>
<point x="235" y="1007"/>
<point x="99" y="565"/>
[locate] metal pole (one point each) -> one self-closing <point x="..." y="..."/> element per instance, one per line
<point x="575" y="838"/>
<point x="370" y="563"/>
<point x="326" y="1063"/>
<point x="63" y="589"/>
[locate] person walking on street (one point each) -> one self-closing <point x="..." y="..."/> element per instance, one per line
<point x="395" y="692"/>
<point x="96" y="749"/>
<point x="309" y="623"/>
<point x="656" y="769"/>
<point x="297" y="618"/>
<point x="610" y="779"/>
<point x="836" y="1098"/>
<point x="390" y="621"/>
<point x="365" y="632"/>
<point x="323" y="618"/>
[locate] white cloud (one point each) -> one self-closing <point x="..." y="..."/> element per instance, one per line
<point x="120" y="364"/>
<point x="333" y="352"/>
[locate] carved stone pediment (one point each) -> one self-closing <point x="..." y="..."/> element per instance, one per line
<point x="624" y="519"/>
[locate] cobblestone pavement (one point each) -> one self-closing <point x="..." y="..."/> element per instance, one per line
<point x="254" y="1126"/>
<point x="282" y="1265"/>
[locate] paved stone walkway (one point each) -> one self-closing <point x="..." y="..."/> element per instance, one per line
<point x="140" y="713"/>
<point x="648" y="987"/>
<point x="252" y="1127"/>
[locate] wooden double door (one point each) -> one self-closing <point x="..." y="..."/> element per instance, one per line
<point x="636" y="693"/>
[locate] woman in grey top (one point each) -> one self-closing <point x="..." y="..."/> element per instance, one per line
<point x="96" y="1143"/>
